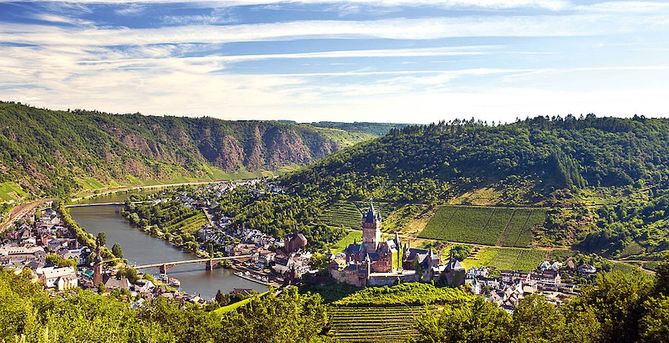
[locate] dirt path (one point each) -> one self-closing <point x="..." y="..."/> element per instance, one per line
<point x="20" y="211"/>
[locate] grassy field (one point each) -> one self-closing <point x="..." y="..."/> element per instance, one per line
<point x="373" y="324"/>
<point x="506" y="258"/>
<point x="350" y="237"/>
<point x="484" y="225"/>
<point x="10" y="191"/>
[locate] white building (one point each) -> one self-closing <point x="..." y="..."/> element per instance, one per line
<point x="58" y="278"/>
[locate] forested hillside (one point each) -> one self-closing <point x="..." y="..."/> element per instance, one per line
<point x="525" y="162"/>
<point x="57" y="152"/>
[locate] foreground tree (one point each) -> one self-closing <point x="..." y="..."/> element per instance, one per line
<point x="465" y="321"/>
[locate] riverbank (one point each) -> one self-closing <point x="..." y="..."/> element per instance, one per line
<point x="140" y="249"/>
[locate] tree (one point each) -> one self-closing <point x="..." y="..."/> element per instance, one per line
<point x="210" y="250"/>
<point x="101" y="288"/>
<point x="617" y="300"/>
<point x="654" y="325"/>
<point x="221" y="298"/>
<point x="536" y="320"/>
<point x="60" y="262"/>
<point x="319" y="262"/>
<point x="117" y="251"/>
<point x="465" y="321"/>
<point x="101" y="239"/>
<point x="130" y="273"/>
<point x="284" y="318"/>
<point x="662" y="276"/>
<point x="461" y="251"/>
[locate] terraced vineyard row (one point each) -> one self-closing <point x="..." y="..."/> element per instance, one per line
<point x="373" y="324"/>
<point x="348" y="214"/>
<point x="484" y="225"/>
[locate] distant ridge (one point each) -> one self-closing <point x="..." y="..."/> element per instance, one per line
<point x="45" y="152"/>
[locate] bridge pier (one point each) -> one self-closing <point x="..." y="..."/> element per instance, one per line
<point x="165" y="267"/>
<point x="211" y="264"/>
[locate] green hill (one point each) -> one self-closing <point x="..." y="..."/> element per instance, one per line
<point x="57" y="152"/>
<point x="524" y="161"/>
<point x="605" y="181"/>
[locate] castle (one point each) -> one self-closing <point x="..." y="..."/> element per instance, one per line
<point x="376" y="262"/>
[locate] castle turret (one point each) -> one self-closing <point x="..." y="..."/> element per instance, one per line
<point x="371" y="229"/>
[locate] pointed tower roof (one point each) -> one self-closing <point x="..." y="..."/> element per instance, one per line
<point x="371" y="216"/>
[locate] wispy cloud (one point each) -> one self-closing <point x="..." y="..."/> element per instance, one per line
<point x="496" y="4"/>
<point x="496" y="59"/>
<point x="417" y="29"/>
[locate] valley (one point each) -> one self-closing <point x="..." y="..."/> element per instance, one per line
<point x="387" y="241"/>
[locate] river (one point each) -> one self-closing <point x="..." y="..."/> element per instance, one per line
<point x="141" y="248"/>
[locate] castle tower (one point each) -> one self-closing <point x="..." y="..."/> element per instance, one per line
<point x="371" y="229"/>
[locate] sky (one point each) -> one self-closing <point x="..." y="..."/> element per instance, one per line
<point x="416" y="61"/>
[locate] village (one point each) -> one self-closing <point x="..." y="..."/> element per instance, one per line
<point x="45" y="247"/>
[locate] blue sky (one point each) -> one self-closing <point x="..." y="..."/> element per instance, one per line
<point x="362" y="60"/>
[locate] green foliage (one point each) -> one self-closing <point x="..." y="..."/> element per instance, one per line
<point x="128" y="272"/>
<point x="426" y="164"/>
<point x="617" y="299"/>
<point x="278" y="215"/>
<point x="330" y="291"/>
<point x="465" y="320"/>
<point x="101" y="239"/>
<point x="410" y="293"/>
<point x="169" y="219"/>
<point x="82" y="236"/>
<point x="350" y="238"/>
<point x="631" y="227"/>
<point x="58" y="261"/>
<point x="117" y="251"/>
<point x="93" y="149"/>
<point x="375" y="129"/>
<point x="27" y="312"/>
<point x="460" y="251"/>
<point x="654" y="325"/>
<point x="537" y="320"/>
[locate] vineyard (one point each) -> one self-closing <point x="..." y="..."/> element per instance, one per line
<point x="506" y="258"/>
<point x="349" y="214"/>
<point x="373" y="324"/>
<point x="484" y="225"/>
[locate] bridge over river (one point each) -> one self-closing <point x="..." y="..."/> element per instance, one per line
<point x="210" y="263"/>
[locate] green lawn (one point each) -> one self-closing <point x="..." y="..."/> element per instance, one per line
<point x="506" y="258"/>
<point x="484" y="225"/>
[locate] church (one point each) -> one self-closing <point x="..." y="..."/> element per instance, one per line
<point x="376" y="261"/>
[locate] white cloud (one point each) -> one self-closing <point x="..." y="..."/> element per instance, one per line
<point x="496" y="4"/>
<point x="417" y="29"/>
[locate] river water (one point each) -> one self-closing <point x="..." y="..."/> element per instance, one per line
<point x="141" y="248"/>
